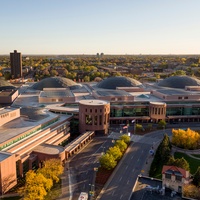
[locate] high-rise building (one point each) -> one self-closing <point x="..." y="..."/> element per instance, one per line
<point x="16" y="64"/>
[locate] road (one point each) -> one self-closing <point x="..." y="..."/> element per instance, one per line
<point x="81" y="166"/>
<point x="122" y="182"/>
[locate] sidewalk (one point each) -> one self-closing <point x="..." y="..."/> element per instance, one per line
<point x="147" y="164"/>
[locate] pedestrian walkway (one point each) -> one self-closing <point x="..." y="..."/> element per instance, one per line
<point x="147" y="164"/>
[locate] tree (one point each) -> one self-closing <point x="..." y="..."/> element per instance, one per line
<point x="179" y="162"/>
<point x="162" y="124"/>
<point x="139" y="127"/>
<point x="196" y="179"/>
<point x="52" y="169"/>
<point x="187" y="139"/>
<point x="36" y="186"/>
<point x="179" y="73"/>
<point x="53" y="72"/>
<point x="115" y="152"/>
<point x="125" y="138"/>
<point x="107" y="161"/>
<point x="191" y="191"/>
<point x="86" y="79"/>
<point x="121" y="144"/>
<point x="161" y="157"/>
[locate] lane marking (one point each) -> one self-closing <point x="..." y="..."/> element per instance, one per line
<point x="121" y="196"/>
<point x="113" y="193"/>
<point x="127" y="182"/>
<point x="131" y="157"/>
<point x="120" y="178"/>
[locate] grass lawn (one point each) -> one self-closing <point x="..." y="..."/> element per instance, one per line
<point x="194" y="163"/>
<point x="196" y="155"/>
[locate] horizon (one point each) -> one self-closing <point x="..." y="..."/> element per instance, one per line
<point x="112" y="27"/>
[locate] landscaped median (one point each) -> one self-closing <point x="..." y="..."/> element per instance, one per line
<point x="109" y="161"/>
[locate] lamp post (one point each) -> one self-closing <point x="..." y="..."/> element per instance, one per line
<point x="91" y="192"/>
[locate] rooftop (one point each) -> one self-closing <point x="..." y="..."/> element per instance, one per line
<point x="23" y="124"/>
<point x="179" y="82"/>
<point x="51" y="94"/>
<point x="175" y="92"/>
<point x="93" y="102"/>
<point x="4" y="155"/>
<point x="150" y="188"/>
<point x="113" y="93"/>
<point x="48" y="149"/>
<point x="6" y="110"/>
<point x="118" y="81"/>
<point x="53" y="82"/>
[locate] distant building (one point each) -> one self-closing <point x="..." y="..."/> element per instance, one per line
<point x="16" y="64"/>
<point x="174" y="178"/>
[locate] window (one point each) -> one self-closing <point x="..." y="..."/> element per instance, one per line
<point x="178" y="178"/>
<point x="88" y="119"/>
<point x="95" y="120"/>
<point x="185" y="97"/>
<point x="168" y="176"/>
<point x="100" y="120"/>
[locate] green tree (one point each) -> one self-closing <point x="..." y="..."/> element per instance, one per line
<point x="86" y="79"/>
<point x="125" y="138"/>
<point x="161" y="157"/>
<point x="36" y="186"/>
<point x="196" y="179"/>
<point x="121" y="144"/>
<point x="115" y="152"/>
<point x="162" y="124"/>
<point x="107" y="161"/>
<point x="52" y="169"/>
<point x="179" y="162"/>
<point x="139" y="127"/>
<point x="179" y="73"/>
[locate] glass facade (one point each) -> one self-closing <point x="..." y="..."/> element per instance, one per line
<point x="129" y="112"/>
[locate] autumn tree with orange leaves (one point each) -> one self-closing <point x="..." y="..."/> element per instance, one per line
<point x="187" y="139"/>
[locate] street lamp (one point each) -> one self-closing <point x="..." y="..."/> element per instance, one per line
<point x="91" y="192"/>
<point x="103" y="150"/>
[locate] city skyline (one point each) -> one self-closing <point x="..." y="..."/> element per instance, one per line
<point x="90" y="27"/>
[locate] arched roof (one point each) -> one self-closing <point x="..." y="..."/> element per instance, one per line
<point x="179" y="82"/>
<point x="53" y="82"/>
<point x="118" y="81"/>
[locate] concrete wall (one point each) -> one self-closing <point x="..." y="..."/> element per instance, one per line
<point x="9" y="116"/>
<point x="8" y="177"/>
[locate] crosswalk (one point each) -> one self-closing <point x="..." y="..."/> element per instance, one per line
<point x="117" y="135"/>
<point x="136" y="138"/>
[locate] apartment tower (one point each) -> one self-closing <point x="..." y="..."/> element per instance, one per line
<point x="16" y="64"/>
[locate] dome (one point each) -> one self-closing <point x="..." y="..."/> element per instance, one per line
<point x="179" y="82"/>
<point x="53" y="82"/>
<point x="118" y="81"/>
<point x="4" y="85"/>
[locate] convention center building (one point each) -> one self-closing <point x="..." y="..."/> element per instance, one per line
<point x="36" y="123"/>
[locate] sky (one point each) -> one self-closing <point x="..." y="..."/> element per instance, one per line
<point x="100" y="26"/>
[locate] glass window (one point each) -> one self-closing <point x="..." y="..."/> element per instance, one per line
<point x="168" y="176"/>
